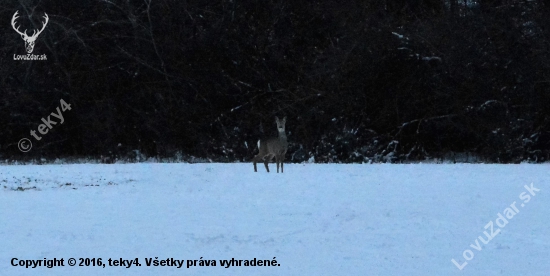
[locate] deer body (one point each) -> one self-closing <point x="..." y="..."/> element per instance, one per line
<point x="273" y="147"/>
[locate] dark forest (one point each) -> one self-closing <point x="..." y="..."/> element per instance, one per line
<point x="359" y="81"/>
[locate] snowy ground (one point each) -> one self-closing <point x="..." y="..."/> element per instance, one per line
<point x="314" y="219"/>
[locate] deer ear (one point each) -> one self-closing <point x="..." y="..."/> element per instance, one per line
<point x="284" y="119"/>
<point x="276" y="118"/>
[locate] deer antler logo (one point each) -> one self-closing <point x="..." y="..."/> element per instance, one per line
<point x="29" y="40"/>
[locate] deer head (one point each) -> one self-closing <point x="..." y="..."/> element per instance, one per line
<point x="29" y="40"/>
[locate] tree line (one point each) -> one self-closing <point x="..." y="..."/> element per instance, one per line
<point x="359" y="81"/>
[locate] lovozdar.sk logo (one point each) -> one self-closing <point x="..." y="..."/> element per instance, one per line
<point x="29" y="40"/>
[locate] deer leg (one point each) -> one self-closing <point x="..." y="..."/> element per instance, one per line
<point x="255" y="160"/>
<point x="282" y="163"/>
<point x="266" y="160"/>
<point x="277" y="161"/>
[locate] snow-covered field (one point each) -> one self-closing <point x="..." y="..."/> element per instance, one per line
<point x="313" y="219"/>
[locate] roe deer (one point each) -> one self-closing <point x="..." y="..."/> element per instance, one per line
<point x="273" y="147"/>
